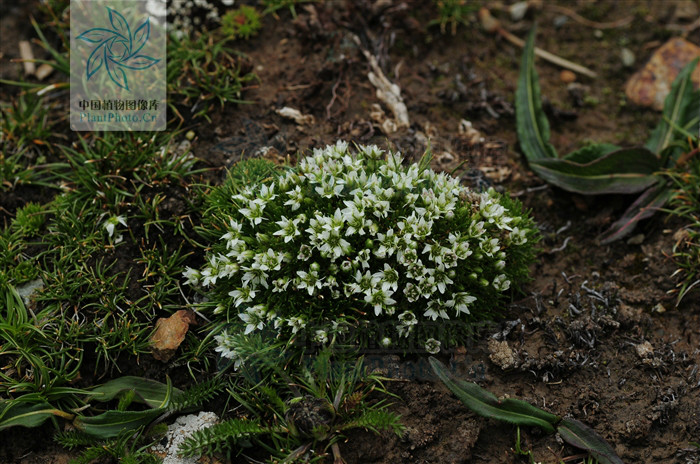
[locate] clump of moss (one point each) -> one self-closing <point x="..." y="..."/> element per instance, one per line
<point x="241" y="23"/>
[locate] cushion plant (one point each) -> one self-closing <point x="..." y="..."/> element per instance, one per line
<point x="353" y="242"/>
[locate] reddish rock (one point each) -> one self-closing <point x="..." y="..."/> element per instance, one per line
<point x="170" y="332"/>
<point x="650" y="85"/>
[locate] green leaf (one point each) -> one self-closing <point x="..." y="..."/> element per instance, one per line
<point x="581" y="436"/>
<point x="627" y="170"/>
<point x="532" y="124"/>
<point x="486" y="404"/>
<point x="110" y="423"/>
<point x="644" y="207"/>
<point x="591" y="152"/>
<point x="680" y="107"/>
<point x="25" y="414"/>
<point x="150" y="392"/>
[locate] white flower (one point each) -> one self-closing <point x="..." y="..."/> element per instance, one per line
<point x="489" y="246"/>
<point x="388" y="277"/>
<point x="227" y="348"/>
<point x="288" y="229"/>
<point x="304" y="253"/>
<point x="412" y="292"/>
<point x="112" y="222"/>
<point x="267" y="193"/>
<point x="518" y="236"/>
<point x="379" y="299"/>
<point x="254" y="318"/>
<point x="321" y="336"/>
<point x="297" y="196"/>
<point x="296" y="323"/>
<point x="254" y="211"/>
<point x="385" y="342"/>
<point x="192" y="276"/>
<point x="280" y="285"/>
<point x="460" y="301"/>
<point x="435" y="310"/>
<point x="501" y="283"/>
<point x="242" y="295"/>
<point x="309" y="281"/>
<point x="432" y="346"/>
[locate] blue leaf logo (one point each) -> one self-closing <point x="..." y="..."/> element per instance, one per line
<point x="118" y="48"/>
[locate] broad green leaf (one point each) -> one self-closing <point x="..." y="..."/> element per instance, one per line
<point x="532" y="124"/>
<point x="680" y="107"/>
<point x="25" y="414"/>
<point x="644" y="207"/>
<point x="628" y="170"/>
<point x="486" y="404"/>
<point x="581" y="436"/>
<point x="591" y="152"/>
<point x="150" y="392"/>
<point x="110" y="423"/>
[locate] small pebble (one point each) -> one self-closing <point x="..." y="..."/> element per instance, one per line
<point x="518" y="10"/>
<point x="627" y="57"/>
<point x="636" y="239"/>
<point x="561" y="20"/>
<point x="659" y="308"/>
<point x="567" y="76"/>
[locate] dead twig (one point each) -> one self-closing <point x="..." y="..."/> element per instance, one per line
<point x="333" y="98"/>
<point x="587" y="22"/>
<point x="491" y="24"/>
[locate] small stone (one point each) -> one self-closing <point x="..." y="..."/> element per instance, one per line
<point x="170" y="333"/>
<point x="567" y="76"/>
<point x="43" y="71"/>
<point x="560" y="21"/>
<point x="627" y="57"/>
<point x="27" y="290"/>
<point x="659" y="309"/>
<point x="644" y="350"/>
<point x="650" y="85"/>
<point x="636" y="239"/>
<point x="518" y="10"/>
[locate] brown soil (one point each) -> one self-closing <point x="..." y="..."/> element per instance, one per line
<point x="595" y="335"/>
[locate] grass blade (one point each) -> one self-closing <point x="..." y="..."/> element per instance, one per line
<point x="487" y="405"/>
<point x="627" y="170"/>
<point x="532" y="124"/>
<point x="680" y="107"/>
<point x="581" y="436"/>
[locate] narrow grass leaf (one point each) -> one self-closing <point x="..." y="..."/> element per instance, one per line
<point x="680" y="107"/>
<point x="581" y="436"/>
<point x="628" y="170"/>
<point x="487" y="405"/>
<point x="644" y="207"/>
<point x="532" y="124"/>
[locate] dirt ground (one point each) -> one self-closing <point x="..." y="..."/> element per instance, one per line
<point x="595" y="334"/>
